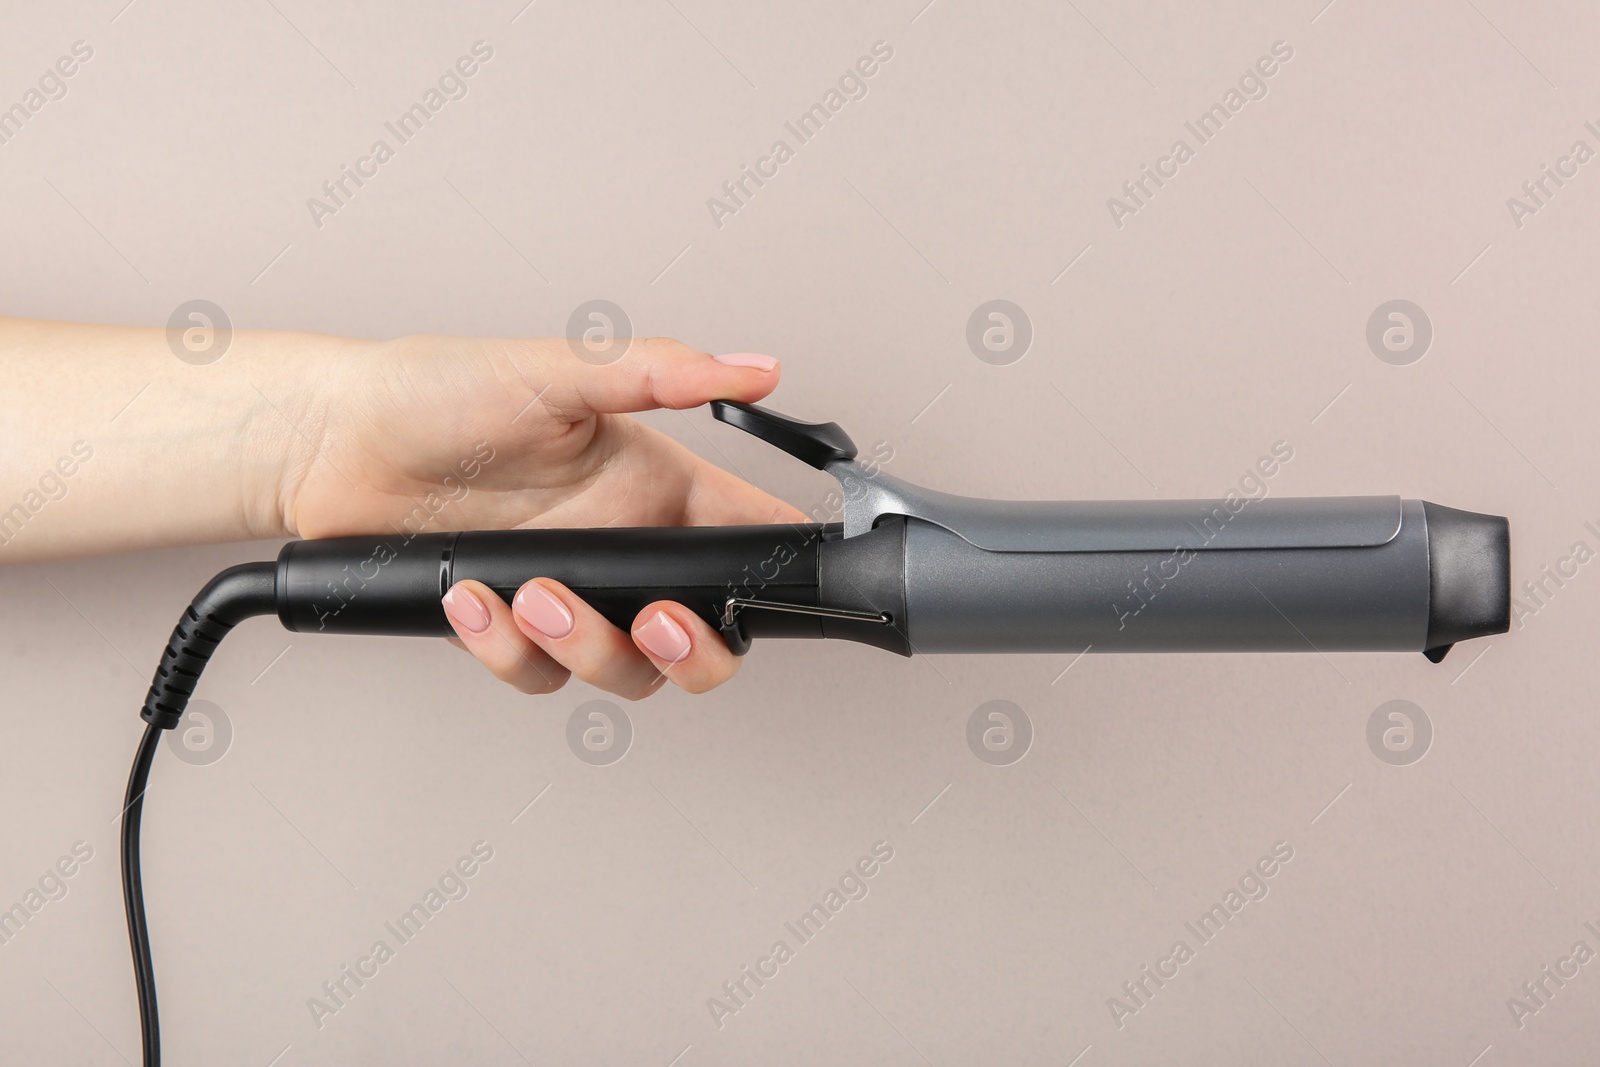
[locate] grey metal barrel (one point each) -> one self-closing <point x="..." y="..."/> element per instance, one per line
<point x="1272" y="575"/>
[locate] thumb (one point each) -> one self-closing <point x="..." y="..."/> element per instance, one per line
<point x="656" y="372"/>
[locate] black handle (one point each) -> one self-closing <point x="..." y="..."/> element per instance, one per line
<point x="393" y="584"/>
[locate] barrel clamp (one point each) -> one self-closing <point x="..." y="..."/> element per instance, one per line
<point x="870" y="495"/>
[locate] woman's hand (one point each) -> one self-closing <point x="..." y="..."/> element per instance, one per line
<point x="120" y="440"/>
<point x="396" y="426"/>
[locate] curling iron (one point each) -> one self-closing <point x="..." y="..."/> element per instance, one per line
<point x="909" y="570"/>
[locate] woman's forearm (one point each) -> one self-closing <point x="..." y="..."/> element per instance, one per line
<point x="112" y="443"/>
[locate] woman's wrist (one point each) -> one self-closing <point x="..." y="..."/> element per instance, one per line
<point x="268" y="400"/>
<point x="294" y="381"/>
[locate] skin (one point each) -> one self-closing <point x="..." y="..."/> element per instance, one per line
<point x="300" y="435"/>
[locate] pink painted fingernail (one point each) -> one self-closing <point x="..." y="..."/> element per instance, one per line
<point x="663" y="638"/>
<point x="539" y="608"/>
<point x="747" y="359"/>
<point x="466" y="610"/>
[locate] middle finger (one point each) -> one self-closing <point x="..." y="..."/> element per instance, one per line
<point x="582" y="640"/>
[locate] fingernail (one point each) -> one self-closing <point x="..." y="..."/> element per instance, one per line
<point x="539" y="608"/>
<point x="747" y="359"/>
<point x="663" y="638"/>
<point x="466" y="610"/>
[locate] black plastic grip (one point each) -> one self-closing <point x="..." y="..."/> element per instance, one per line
<point x="393" y="584"/>
<point x="1469" y="564"/>
<point x="228" y="599"/>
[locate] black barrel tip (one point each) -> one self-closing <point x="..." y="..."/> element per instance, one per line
<point x="1469" y="565"/>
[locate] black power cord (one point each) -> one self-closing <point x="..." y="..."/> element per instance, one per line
<point x="228" y="599"/>
<point x="133" y="895"/>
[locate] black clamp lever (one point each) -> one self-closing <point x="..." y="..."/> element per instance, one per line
<point x="816" y="443"/>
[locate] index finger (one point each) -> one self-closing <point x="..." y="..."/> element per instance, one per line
<point x="654" y="372"/>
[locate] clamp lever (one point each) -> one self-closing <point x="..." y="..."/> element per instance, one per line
<point x="816" y="443"/>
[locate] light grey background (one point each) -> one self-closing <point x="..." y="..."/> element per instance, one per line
<point x="1227" y="314"/>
